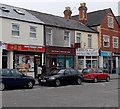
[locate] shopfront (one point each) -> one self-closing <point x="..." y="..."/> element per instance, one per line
<point x="25" y="58"/>
<point x="109" y="62"/>
<point x="59" y="57"/>
<point x="87" y="58"/>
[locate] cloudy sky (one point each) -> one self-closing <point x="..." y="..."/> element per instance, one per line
<point x="57" y="7"/>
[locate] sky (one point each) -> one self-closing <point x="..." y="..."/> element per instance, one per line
<point x="56" y="7"/>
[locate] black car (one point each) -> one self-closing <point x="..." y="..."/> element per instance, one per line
<point x="61" y="76"/>
<point x="14" y="78"/>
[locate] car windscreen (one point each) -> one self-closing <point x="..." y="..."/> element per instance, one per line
<point x="57" y="71"/>
<point x="87" y="71"/>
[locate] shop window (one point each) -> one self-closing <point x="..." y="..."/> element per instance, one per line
<point x="48" y="36"/>
<point x="32" y="32"/>
<point x="67" y="38"/>
<point x="115" y="42"/>
<point x="110" y="22"/>
<point x="106" y="41"/>
<point x="89" y="41"/>
<point x="15" y="29"/>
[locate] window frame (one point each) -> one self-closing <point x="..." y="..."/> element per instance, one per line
<point x="107" y="42"/>
<point x="110" y="24"/>
<point x="67" y="37"/>
<point x="49" y="34"/>
<point x="90" y="39"/>
<point x="78" y="37"/>
<point x="15" y="30"/>
<point x="32" y="32"/>
<point x="115" y="42"/>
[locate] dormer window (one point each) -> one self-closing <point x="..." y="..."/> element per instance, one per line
<point x="4" y="9"/>
<point x="19" y="12"/>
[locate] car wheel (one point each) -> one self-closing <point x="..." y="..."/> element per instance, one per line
<point x="79" y="81"/>
<point x="2" y="86"/>
<point x="57" y="82"/>
<point x="30" y="85"/>
<point x="107" y="79"/>
<point x="95" y="80"/>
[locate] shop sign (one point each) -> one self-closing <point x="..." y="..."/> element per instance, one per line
<point x="106" y="53"/>
<point x="87" y="52"/>
<point x="60" y="50"/>
<point x="116" y="54"/>
<point x="25" y="48"/>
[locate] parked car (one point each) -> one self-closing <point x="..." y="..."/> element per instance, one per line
<point x="95" y="74"/>
<point x="14" y="78"/>
<point x="61" y="76"/>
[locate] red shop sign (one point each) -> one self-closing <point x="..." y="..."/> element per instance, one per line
<point x="60" y="50"/>
<point x="25" y="48"/>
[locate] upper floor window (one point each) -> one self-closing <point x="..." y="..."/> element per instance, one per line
<point x="106" y="41"/>
<point x="110" y="22"/>
<point x="115" y="42"/>
<point x="67" y="38"/>
<point x="78" y="39"/>
<point x="33" y="32"/>
<point x="89" y="41"/>
<point x="15" y="29"/>
<point x="48" y="36"/>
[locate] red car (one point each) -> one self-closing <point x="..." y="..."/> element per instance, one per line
<point x="95" y="74"/>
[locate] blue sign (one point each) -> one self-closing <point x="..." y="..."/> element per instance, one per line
<point x="106" y="53"/>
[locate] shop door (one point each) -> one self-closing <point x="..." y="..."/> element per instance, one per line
<point x="37" y="61"/>
<point x="54" y="63"/>
<point x="4" y="62"/>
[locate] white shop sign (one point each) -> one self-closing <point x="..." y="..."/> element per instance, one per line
<point x="87" y="52"/>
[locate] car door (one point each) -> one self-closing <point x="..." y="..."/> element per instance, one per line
<point x="102" y="75"/>
<point x="7" y="77"/>
<point x="74" y="75"/>
<point x="19" y="79"/>
<point x="67" y="75"/>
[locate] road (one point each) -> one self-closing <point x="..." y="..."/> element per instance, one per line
<point x="102" y="94"/>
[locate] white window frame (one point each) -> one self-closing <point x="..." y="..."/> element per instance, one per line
<point x="15" y="30"/>
<point x="106" y="40"/>
<point x="33" y="32"/>
<point x="68" y="37"/>
<point x="115" y="42"/>
<point x="78" y="37"/>
<point x="90" y="36"/>
<point x="110" y="24"/>
<point x="50" y="34"/>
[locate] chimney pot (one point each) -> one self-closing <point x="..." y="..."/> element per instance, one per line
<point x="67" y="12"/>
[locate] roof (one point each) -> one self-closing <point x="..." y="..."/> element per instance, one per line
<point x="94" y="18"/>
<point x="56" y="21"/>
<point x="15" y="13"/>
<point x="118" y="19"/>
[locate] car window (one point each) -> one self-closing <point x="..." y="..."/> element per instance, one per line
<point x="87" y="71"/>
<point x="67" y="71"/>
<point x="6" y="73"/>
<point x="73" y="71"/>
<point x="95" y="71"/>
<point x="100" y="71"/>
<point x="15" y="73"/>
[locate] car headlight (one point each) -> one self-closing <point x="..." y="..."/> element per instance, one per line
<point x="52" y="77"/>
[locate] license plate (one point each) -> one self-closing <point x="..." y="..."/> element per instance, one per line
<point x="85" y="75"/>
<point x="43" y="80"/>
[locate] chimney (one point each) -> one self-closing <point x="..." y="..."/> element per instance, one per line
<point x="67" y="13"/>
<point x="83" y="13"/>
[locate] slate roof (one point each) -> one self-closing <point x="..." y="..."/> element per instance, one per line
<point x="56" y="21"/>
<point x="118" y="19"/>
<point x="7" y="11"/>
<point x="94" y="18"/>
